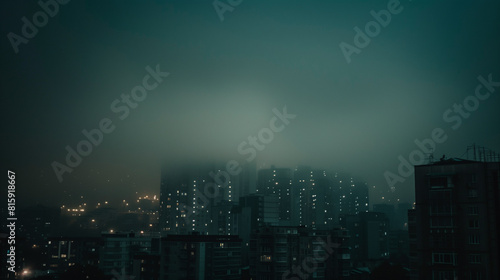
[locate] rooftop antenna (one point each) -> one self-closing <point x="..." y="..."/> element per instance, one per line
<point x="483" y="154"/>
<point x="474" y="145"/>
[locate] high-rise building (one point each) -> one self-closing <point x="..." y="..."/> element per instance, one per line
<point x="252" y="213"/>
<point x="224" y="220"/>
<point x="388" y="210"/>
<point x="368" y="236"/>
<point x="187" y="196"/>
<point x="255" y="211"/>
<point x="455" y="227"/>
<point x="353" y="195"/>
<point x="277" y="182"/>
<point x="401" y="222"/>
<point x="314" y="200"/>
<point x="246" y="181"/>
<point x="412" y="240"/>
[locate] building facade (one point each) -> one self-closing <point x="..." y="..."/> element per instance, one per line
<point x="456" y="221"/>
<point x="119" y="249"/>
<point x="277" y="182"/>
<point x="200" y="257"/>
<point x="281" y="252"/>
<point x="315" y="201"/>
<point x="368" y="237"/>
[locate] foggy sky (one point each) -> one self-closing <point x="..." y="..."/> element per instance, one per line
<point x="225" y="79"/>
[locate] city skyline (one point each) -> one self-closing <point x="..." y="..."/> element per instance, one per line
<point x="213" y="85"/>
<point x="250" y="140"/>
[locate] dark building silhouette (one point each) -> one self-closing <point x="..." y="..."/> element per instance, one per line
<point x="224" y="220"/>
<point x="281" y="252"/>
<point x="119" y="249"/>
<point x="146" y="266"/>
<point x="454" y="229"/>
<point x="64" y="252"/>
<point x="368" y="237"/>
<point x="252" y="213"/>
<point x="273" y="251"/>
<point x="200" y="257"/>
<point x="402" y="216"/>
<point x="246" y="181"/>
<point x="277" y="182"/>
<point x="388" y="210"/>
<point x="398" y="246"/>
<point x="37" y="223"/>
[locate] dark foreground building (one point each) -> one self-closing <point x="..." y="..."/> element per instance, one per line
<point x="200" y="257"/>
<point x="280" y="252"/>
<point x="455" y="227"/>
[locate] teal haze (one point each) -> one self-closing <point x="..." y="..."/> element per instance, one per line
<point x="225" y="79"/>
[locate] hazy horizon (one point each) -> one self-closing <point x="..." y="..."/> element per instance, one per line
<point x="226" y="77"/>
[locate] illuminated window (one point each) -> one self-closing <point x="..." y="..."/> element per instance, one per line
<point x="265" y="258"/>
